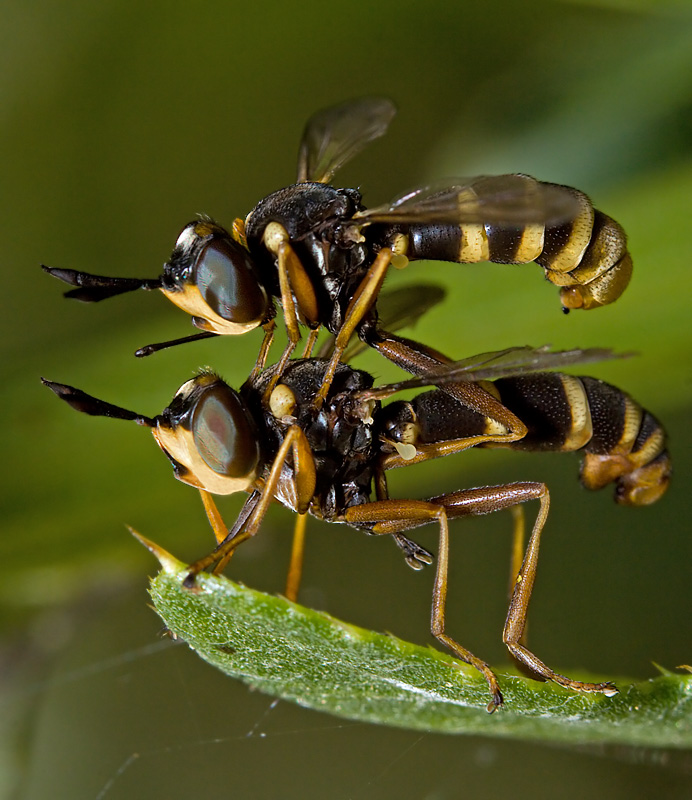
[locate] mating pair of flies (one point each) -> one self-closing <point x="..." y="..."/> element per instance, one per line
<point x="315" y="434"/>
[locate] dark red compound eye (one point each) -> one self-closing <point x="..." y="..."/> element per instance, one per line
<point x="227" y="282"/>
<point x="222" y="433"/>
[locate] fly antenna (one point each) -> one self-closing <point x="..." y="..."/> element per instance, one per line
<point x="93" y="288"/>
<point x="149" y="349"/>
<point x="81" y="401"/>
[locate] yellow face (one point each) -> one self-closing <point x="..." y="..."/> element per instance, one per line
<point x="207" y="433"/>
<point x="211" y="277"/>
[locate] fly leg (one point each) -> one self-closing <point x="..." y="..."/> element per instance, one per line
<point x="361" y="302"/>
<point x="294" y="444"/>
<point x="297" y="293"/>
<point x="393" y="516"/>
<point x="295" y="567"/>
<point x="518" y="543"/>
<point x="214" y="516"/>
<point x="515" y="624"/>
<point x="486" y="500"/>
<point x="418" y="359"/>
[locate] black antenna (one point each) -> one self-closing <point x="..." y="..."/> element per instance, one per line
<point x="87" y="404"/>
<point x="148" y="349"/>
<point x="93" y="288"/>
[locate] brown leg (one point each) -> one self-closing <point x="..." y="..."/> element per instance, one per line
<point x="426" y="452"/>
<point x="299" y="283"/>
<point x="518" y="608"/>
<point x="290" y="320"/>
<point x="295" y="569"/>
<point x="239" y="525"/>
<point x="305" y="479"/>
<point x="518" y="544"/>
<point x="391" y="517"/>
<point x="293" y="279"/>
<point x="418" y="359"/>
<point x="376" y="517"/>
<point x="261" y="359"/>
<point x="293" y="282"/>
<point x="214" y="516"/>
<point x="518" y="539"/>
<point x="483" y="501"/>
<point x="361" y="302"/>
<point x="310" y="344"/>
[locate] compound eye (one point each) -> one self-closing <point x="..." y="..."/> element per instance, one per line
<point x="226" y="280"/>
<point x="223" y="434"/>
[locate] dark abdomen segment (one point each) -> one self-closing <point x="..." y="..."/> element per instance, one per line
<point x="586" y="256"/>
<point x="621" y="441"/>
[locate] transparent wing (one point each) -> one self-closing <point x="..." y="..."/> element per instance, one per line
<point x="496" y="199"/>
<point x="403" y="307"/>
<point x="498" y="364"/>
<point x="396" y="309"/>
<point x="335" y="135"/>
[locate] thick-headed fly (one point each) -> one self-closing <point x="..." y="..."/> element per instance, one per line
<point x="332" y="462"/>
<point x="324" y="255"/>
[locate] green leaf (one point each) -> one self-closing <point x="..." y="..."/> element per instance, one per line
<point x="317" y="661"/>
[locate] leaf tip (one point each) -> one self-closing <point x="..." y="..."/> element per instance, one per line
<point x="666" y="672"/>
<point x="169" y="563"/>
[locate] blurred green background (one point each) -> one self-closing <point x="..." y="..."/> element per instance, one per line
<point x="120" y="122"/>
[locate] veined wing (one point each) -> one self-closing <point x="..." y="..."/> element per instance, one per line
<point x="497" y="364"/>
<point x="337" y="134"/>
<point x="486" y="200"/>
<point x="396" y="309"/>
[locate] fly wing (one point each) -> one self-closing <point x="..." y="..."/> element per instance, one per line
<point x="490" y="200"/>
<point x="498" y="364"/>
<point x="337" y="134"/>
<point x="403" y="307"/>
<point x="396" y="309"/>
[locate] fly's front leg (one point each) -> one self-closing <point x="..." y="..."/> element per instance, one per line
<point x="296" y="444"/>
<point x="394" y="516"/>
<point x="261" y="360"/>
<point x="311" y="342"/>
<point x="361" y="302"/>
<point x="214" y="516"/>
<point x="297" y="293"/>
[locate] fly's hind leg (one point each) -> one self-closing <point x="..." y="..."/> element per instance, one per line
<point x="515" y="624"/>
<point x="518" y="544"/>
<point x="393" y="516"/>
<point x="404" y="515"/>
<point x="496" y="498"/>
<point x="486" y="500"/>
